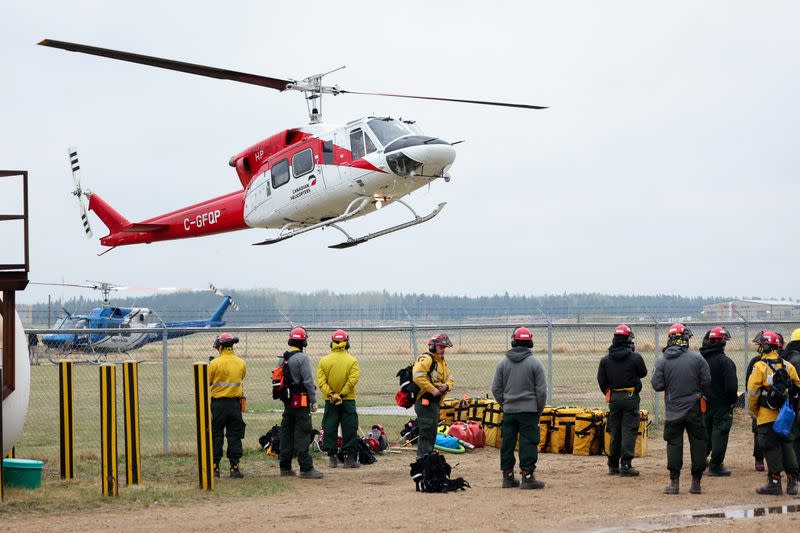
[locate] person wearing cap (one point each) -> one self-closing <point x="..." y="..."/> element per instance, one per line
<point x="682" y="374"/>
<point x="226" y="375"/>
<point x="772" y="383"/>
<point x="337" y="377"/>
<point x="619" y="376"/>
<point x="721" y="397"/>
<point x="296" y="430"/>
<point x="434" y="379"/>
<point x="520" y="387"/>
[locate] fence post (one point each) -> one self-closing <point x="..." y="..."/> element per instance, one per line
<point x="164" y="392"/>
<point x="657" y="399"/>
<point x="2" y="494"/>
<point x="108" y="429"/>
<point x="130" y="387"/>
<point x="550" y="361"/>
<point x="746" y="351"/>
<point x="202" y="408"/>
<point x="66" y="419"/>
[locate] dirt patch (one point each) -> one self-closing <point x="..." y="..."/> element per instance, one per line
<point x="579" y="496"/>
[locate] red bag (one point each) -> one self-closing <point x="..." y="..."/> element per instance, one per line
<point x="460" y="430"/>
<point x="478" y="435"/>
<point x="404" y="399"/>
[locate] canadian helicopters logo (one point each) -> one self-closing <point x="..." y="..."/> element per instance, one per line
<point x="312" y="180"/>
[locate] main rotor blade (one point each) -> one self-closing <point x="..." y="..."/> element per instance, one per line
<point x="62" y="284"/>
<point x="170" y="64"/>
<point x="480" y="102"/>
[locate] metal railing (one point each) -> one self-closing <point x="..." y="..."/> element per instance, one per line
<point x="569" y="352"/>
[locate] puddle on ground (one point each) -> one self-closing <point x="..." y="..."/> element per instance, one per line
<point x="753" y="512"/>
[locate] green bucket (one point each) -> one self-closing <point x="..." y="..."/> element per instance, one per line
<point x="23" y="473"/>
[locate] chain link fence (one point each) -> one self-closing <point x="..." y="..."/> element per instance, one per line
<point x="570" y="354"/>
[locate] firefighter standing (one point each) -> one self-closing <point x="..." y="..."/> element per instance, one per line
<point x="296" y="431"/>
<point x="620" y="378"/>
<point x="519" y="386"/>
<point x="721" y="398"/>
<point x="767" y="394"/>
<point x="225" y="375"/>
<point x="791" y="354"/>
<point x="337" y="376"/>
<point x="433" y="377"/>
<point x="682" y="374"/>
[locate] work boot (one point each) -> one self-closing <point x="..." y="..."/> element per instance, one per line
<point x="718" y="471"/>
<point x="628" y="471"/>
<point x="791" y="484"/>
<point x="696" y="488"/>
<point x="530" y="482"/>
<point x="311" y="474"/>
<point x="286" y="472"/>
<point x="674" y="486"/>
<point x="613" y="470"/>
<point x="333" y="461"/>
<point x="773" y="486"/>
<point x="509" y="481"/>
<point x="216" y="470"/>
<point x="351" y="461"/>
<point x="760" y="465"/>
<point x="235" y="473"/>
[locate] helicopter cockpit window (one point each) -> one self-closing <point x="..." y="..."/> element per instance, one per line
<point x="280" y="173"/>
<point x="387" y="130"/>
<point x="302" y="162"/>
<point x="357" y="144"/>
<point x="368" y="143"/>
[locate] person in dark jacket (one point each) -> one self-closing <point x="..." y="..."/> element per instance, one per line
<point x="721" y="398"/>
<point x="682" y="374"/>
<point x="758" y="453"/>
<point x="620" y="378"/>
<point x="791" y="354"/>
<point x="519" y="386"/>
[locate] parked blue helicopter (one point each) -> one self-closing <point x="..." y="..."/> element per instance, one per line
<point x="119" y="319"/>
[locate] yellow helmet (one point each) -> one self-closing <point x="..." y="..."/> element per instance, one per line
<point x="795" y="335"/>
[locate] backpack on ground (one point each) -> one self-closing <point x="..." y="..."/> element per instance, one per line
<point x="281" y="379"/>
<point x="431" y="473"/>
<point x="376" y="439"/>
<point x="270" y="441"/>
<point x="365" y="455"/>
<point x="410" y="431"/>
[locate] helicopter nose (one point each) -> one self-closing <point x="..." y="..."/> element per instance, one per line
<point x="431" y="158"/>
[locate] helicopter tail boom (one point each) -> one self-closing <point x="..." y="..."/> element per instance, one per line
<point x="110" y="217"/>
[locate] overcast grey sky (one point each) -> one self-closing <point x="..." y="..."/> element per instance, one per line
<point x="667" y="162"/>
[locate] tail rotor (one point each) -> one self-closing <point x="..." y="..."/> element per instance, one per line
<point x="78" y="192"/>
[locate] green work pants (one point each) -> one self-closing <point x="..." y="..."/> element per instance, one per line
<point x="226" y="419"/>
<point x="296" y="435"/>
<point x="692" y="423"/>
<point x="427" y="422"/>
<point x="344" y="414"/>
<point x="757" y="452"/>
<point x="526" y="426"/>
<point x="778" y="451"/>
<point x="623" y="425"/>
<point x="718" y="420"/>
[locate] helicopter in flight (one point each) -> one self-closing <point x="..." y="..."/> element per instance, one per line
<point x="117" y="321"/>
<point x="297" y="180"/>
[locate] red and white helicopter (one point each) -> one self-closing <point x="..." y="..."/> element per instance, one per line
<point x="298" y="180"/>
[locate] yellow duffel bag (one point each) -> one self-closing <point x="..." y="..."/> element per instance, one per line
<point x="493" y="437"/>
<point x="562" y="430"/>
<point x="589" y="432"/>
<point x="545" y="425"/>
<point x="447" y="412"/>
<point x="641" y="435"/>
<point x="492" y="414"/>
<point x="462" y="410"/>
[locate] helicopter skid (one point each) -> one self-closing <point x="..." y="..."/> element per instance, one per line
<point x="350" y="242"/>
<point x="355" y="208"/>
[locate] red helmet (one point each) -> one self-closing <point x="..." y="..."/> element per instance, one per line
<point x="522" y="334"/>
<point x="340" y="335"/>
<point x="226" y="340"/>
<point x="298" y="334"/>
<point x="439" y="340"/>
<point x="680" y="329"/>
<point x="624" y="330"/>
<point x="719" y="332"/>
<point x="769" y="338"/>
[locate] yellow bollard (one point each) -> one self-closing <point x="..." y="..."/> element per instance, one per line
<point x="130" y="385"/>
<point x="202" y="406"/>
<point x="13" y="453"/>
<point x="65" y="419"/>
<point x="108" y="429"/>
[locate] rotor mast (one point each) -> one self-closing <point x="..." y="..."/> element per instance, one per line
<point x="313" y="89"/>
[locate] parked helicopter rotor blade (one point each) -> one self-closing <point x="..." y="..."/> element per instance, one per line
<point x="170" y="64"/>
<point x="87" y="228"/>
<point x="218" y="292"/>
<point x="459" y="100"/>
<point x="62" y="284"/>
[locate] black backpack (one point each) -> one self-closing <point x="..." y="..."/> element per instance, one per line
<point x="781" y="386"/>
<point x="365" y="455"/>
<point x="406" y="377"/>
<point x="431" y="473"/>
<point x="270" y="441"/>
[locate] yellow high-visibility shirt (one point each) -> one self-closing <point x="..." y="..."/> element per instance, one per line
<point x="226" y="374"/>
<point x="338" y="372"/>
<point x="426" y="379"/>
<point x="761" y="378"/>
